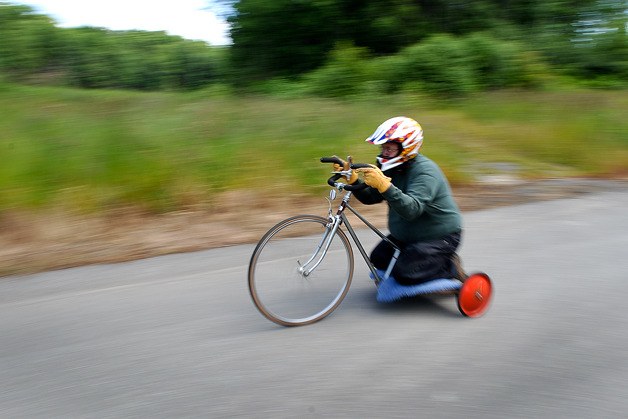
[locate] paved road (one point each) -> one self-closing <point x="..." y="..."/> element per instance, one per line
<point x="177" y="336"/>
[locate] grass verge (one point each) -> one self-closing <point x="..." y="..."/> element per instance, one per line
<point x="94" y="151"/>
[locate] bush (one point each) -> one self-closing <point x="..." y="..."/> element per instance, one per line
<point x="493" y="61"/>
<point x="502" y="64"/>
<point x="344" y="74"/>
<point x="386" y="72"/>
<point x="443" y="65"/>
<point x="440" y="65"/>
<point x="448" y="66"/>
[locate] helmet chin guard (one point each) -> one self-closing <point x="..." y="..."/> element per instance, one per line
<point x="387" y="164"/>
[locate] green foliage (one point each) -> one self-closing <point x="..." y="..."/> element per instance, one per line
<point x="337" y="48"/>
<point x="30" y="41"/>
<point x="343" y="74"/>
<point x="604" y="58"/>
<point x="287" y="38"/>
<point x="139" y="60"/>
<point x="494" y="63"/>
<point x="34" y="50"/>
<point x="278" y="38"/>
<point x="443" y="65"/>
<point x="440" y="65"/>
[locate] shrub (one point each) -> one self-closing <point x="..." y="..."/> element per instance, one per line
<point x="440" y="65"/>
<point x="344" y="74"/>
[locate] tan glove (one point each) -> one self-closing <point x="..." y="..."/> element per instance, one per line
<point x="375" y="178"/>
<point x="345" y="166"/>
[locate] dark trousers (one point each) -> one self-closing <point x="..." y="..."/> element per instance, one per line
<point x="418" y="262"/>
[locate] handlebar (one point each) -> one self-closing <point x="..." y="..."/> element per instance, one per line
<point x="333" y="159"/>
<point x="332" y="181"/>
<point x="360" y="165"/>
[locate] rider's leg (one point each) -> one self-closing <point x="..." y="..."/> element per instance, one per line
<point x="424" y="261"/>
<point x="381" y="254"/>
<point x="459" y="272"/>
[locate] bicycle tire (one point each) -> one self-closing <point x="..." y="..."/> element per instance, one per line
<point x="283" y="294"/>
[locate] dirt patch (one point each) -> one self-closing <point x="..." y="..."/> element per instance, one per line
<point x="38" y="242"/>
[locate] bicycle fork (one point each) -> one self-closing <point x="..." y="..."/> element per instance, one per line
<point x="322" y="248"/>
<point x="317" y="257"/>
<point x="330" y="231"/>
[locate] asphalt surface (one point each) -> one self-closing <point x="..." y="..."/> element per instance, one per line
<point x="177" y="336"/>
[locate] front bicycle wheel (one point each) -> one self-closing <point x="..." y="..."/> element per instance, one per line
<point x="289" y="282"/>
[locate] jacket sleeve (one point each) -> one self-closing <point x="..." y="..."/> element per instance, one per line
<point x="419" y="193"/>
<point x="368" y="196"/>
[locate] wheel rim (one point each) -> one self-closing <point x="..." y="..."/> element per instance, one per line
<point x="475" y="295"/>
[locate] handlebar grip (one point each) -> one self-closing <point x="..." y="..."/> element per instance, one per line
<point x="333" y="159"/>
<point x="361" y="166"/>
<point x="355" y="187"/>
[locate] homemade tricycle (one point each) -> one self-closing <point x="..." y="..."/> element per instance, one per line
<point x="301" y="269"/>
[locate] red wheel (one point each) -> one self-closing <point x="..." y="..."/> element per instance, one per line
<point x="475" y="295"/>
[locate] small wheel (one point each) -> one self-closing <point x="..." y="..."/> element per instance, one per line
<point x="475" y="295"/>
<point x="281" y="287"/>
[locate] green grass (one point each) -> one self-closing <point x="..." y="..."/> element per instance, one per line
<point x="90" y="151"/>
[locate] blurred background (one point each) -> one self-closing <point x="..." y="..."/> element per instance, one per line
<point x="98" y="120"/>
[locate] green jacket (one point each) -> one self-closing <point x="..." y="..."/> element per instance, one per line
<point x="420" y="203"/>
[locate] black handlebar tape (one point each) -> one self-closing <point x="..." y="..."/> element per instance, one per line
<point x="361" y="166"/>
<point x="334" y="159"/>
<point x="356" y="186"/>
<point x="332" y="180"/>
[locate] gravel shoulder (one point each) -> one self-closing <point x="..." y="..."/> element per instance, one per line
<point x="32" y="243"/>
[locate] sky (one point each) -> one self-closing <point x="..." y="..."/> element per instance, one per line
<point x="186" y="18"/>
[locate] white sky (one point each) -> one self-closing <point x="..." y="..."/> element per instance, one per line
<point x="186" y="18"/>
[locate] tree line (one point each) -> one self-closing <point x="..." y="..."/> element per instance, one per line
<point x="34" y="50"/>
<point x="337" y="47"/>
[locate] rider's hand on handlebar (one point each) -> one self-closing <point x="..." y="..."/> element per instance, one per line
<point x="345" y="166"/>
<point x="375" y="178"/>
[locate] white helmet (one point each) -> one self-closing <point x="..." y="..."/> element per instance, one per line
<point x="402" y="130"/>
